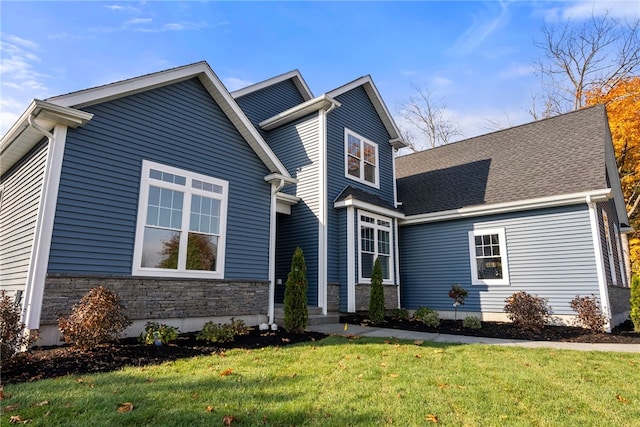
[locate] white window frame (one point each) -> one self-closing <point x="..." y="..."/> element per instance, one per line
<point x="145" y="183"/>
<point x="363" y="141"/>
<point x="376" y="227"/>
<point x="502" y="241"/>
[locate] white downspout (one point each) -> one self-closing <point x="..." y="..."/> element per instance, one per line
<point x="272" y="249"/>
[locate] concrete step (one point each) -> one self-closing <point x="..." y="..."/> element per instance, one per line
<point x="315" y="316"/>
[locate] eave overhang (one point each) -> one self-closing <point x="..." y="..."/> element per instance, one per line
<point x="508" y="207"/>
<point x="359" y="204"/>
<point x="322" y="102"/>
<point x="22" y="136"/>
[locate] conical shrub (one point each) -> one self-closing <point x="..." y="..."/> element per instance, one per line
<point x="296" y="314"/>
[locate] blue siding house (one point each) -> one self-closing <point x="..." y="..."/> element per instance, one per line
<point x="189" y="201"/>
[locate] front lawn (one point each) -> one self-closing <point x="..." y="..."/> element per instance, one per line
<point x="342" y="382"/>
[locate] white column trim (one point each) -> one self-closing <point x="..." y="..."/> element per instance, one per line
<point x="322" y="214"/>
<point x="272" y="252"/>
<point x="38" y="266"/>
<point x="351" y="261"/>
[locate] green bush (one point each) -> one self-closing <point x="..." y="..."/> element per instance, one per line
<point x="399" y="314"/>
<point x="296" y="313"/>
<point x="589" y="313"/>
<point x="527" y="312"/>
<point x="158" y="333"/>
<point x="472" y="322"/>
<point x="376" y="297"/>
<point x="635" y="303"/>
<point x="226" y="332"/>
<point x="427" y="316"/>
<point x="97" y="318"/>
<point x="13" y="334"/>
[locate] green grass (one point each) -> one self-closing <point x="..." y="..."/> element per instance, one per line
<point x="340" y="382"/>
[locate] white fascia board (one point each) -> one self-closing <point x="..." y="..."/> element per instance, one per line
<point x="368" y="207"/>
<point x="294" y="75"/>
<point x="378" y="103"/>
<point x="507" y="207"/>
<point x="22" y="137"/>
<point x="614" y="178"/>
<point x="301" y="110"/>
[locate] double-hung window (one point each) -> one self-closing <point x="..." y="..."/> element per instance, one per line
<point x="361" y="158"/>
<point x="488" y="256"/>
<point x="181" y="223"/>
<point x="375" y="242"/>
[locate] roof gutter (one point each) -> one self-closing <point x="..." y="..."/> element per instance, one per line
<point x="322" y="102"/>
<point x="507" y="207"/>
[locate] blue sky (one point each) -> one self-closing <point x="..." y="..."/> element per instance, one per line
<point x="474" y="56"/>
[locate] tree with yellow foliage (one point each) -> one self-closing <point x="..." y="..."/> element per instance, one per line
<point x="623" y="111"/>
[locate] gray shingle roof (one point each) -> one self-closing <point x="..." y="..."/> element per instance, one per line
<point x="350" y="192"/>
<point x="559" y="155"/>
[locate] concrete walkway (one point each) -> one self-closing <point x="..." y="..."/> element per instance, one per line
<point x="368" y="331"/>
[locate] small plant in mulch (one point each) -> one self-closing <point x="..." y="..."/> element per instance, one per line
<point x="458" y="294"/>
<point x="427" y="316"/>
<point x="225" y="332"/>
<point x="97" y="318"/>
<point x="398" y="314"/>
<point x="376" y="298"/>
<point x="158" y="334"/>
<point x="14" y="337"/>
<point x="589" y="313"/>
<point x="527" y="312"/>
<point x="472" y="322"/>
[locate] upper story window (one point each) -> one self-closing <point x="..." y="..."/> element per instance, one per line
<point x="361" y="158"/>
<point x="375" y="242"/>
<point x="488" y="256"/>
<point x="181" y="223"/>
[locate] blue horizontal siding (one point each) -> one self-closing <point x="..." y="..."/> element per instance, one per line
<point x="550" y="254"/>
<point x="178" y="125"/>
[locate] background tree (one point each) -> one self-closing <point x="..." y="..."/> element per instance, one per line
<point x="622" y="101"/>
<point x="296" y="313"/>
<point x="595" y="55"/>
<point x="376" y="297"/>
<point x="421" y="112"/>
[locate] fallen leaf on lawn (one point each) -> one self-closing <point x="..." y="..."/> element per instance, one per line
<point x="570" y="409"/>
<point x="222" y="354"/>
<point x="394" y="375"/>
<point x="17" y="419"/>
<point x="228" y="419"/>
<point x="209" y="408"/>
<point x="150" y="380"/>
<point x="226" y="372"/>
<point x="383" y="364"/>
<point x="346" y="326"/>
<point x="43" y="403"/>
<point x="418" y="342"/>
<point x="418" y="356"/>
<point x="2" y="393"/>
<point x="461" y="387"/>
<point x="441" y="386"/>
<point x="80" y="380"/>
<point x="13" y="407"/>
<point x="438" y="351"/>
<point x="622" y="399"/>
<point x="431" y="418"/>
<point x="125" y="407"/>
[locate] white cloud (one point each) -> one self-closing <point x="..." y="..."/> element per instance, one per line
<point x="585" y="9"/>
<point x="483" y="25"/>
<point x="234" y="83"/>
<point x="136" y="21"/>
<point x="517" y="70"/>
<point x="174" y="26"/>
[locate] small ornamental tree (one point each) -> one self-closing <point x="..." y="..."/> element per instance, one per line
<point x="376" y="297"/>
<point x="635" y="303"/>
<point x="295" y="295"/>
<point x="457" y="293"/>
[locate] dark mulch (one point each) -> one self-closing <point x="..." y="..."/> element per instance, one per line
<point x="622" y="334"/>
<point x="51" y="362"/>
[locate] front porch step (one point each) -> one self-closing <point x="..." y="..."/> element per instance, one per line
<point x="315" y="316"/>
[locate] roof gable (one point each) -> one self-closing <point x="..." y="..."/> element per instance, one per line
<point x="210" y="81"/>
<point x="562" y="155"/>
<point x="294" y="76"/>
<point x="374" y="96"/>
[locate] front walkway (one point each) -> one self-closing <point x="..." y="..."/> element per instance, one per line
<point x="368" y="331"/>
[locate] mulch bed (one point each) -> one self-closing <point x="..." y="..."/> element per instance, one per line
<point x="50" y="362"/>
<point x="622" y="334"/>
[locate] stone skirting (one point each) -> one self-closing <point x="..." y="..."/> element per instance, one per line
<point x="363" y="292"/>
<point x="159" y="298"/>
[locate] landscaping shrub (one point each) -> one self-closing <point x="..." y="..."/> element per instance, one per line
<point x="458" y="294"/>
<point x="427" y="316"/>
<point x="526" y="311"/>
<point x="158" y="333"/>
<point x="399" y="314"/>
<point x="635" y="303"/>
<point x="589" y="313"/>
<point x="376" y="297"/>
<point x="226" y="332"/>
<point x="13" y="335"/>
<point x="97" y="318"/>
<point x="296" y="313"/>
<point x="472" y="322"/>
